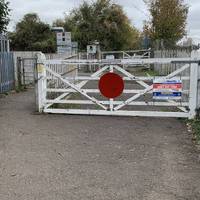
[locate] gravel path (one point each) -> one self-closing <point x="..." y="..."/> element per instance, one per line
<point x="63" y="157"/>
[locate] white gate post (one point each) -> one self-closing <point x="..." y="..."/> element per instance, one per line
<point x="198" y="87"/>
<point x="41" y="82"/>
<point x="194" y="69"/>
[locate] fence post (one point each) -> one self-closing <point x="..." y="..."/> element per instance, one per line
<point x="194" y="70"/>
<point x="198" y="87"/>
<point x="40" y="87"/>
<point x="19" y="73"/>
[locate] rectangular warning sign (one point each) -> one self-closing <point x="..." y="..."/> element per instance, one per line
<point x="168" y="89"/>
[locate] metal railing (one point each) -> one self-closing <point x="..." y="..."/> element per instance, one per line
<point x="7" y="82"/>
<point x="4" y="43"/>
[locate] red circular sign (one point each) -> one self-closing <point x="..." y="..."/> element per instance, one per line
<point x="111" y="85"/>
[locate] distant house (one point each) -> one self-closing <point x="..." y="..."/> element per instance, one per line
<point x="190" y="42"/>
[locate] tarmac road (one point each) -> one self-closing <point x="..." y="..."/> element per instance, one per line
<point x="65" y="157"/>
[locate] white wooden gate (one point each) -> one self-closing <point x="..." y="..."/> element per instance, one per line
<point x="78" y="93"/>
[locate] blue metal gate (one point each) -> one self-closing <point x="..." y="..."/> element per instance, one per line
<point x="6" y="72"/>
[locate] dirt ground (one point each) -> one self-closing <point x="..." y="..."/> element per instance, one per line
<point x="63" y="157"/>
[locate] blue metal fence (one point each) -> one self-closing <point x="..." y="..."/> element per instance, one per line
<point x="7" y="80"/>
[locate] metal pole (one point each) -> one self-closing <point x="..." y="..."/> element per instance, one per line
<point x="111" y="100"/>
<point x="8" y="45"/>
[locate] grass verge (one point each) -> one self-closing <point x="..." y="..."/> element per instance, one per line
<point x="194" y="126"/>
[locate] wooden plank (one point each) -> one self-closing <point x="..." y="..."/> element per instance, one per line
<point x="118" y="113"/>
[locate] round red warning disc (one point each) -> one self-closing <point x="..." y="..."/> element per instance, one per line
<point x="111" y="85"/>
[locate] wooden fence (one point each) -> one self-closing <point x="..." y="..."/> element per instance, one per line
<point x="163" y="69"/>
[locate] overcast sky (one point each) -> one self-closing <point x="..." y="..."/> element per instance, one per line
<point x="136" y="10"/>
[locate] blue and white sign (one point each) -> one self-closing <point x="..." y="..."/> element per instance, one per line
<point x="168" y="89"/>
